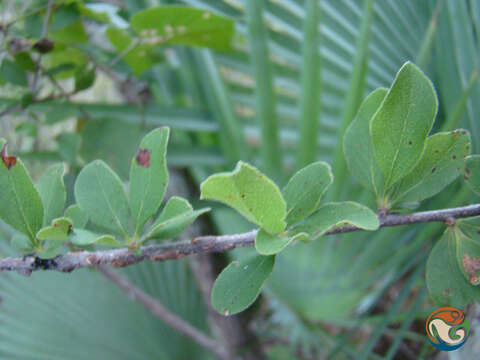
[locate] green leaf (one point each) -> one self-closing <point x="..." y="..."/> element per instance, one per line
<point x="52" y="249"/>
<point x="59" y="230"/>
<point x="84" y="237"/>
<point x="358" y="146"/>
<point x="472" y="173"/>
<point x="77" y="215"/>
<point x="64" y="16"/>
<point x="99" y="192"/>
<point x="468" y="250"/>
<point x="174" y="219"/>
<point x="139" y="58"/>
<point x="445" y="281"/>
<point x="400" y="127"/>
<point x="442" y="162"/>
<point x="68" y="146"/>
<point x="239" y="284"/>
<point x="52" y="192"/>
<point x="268" y="244"/>
<point x="84" y="78"/>
<point x="332" y="215"/>
<point x="21" y="243"/>
<point x="24" y="60"/>
<point x="73" y="33"/>
<point x="183" y="25"/>
<point x="20" y="204"/>
<point x="249" y="192"/>
<point x="148" y="177"/>
<point x="305" y="189"/>
<point x="13" y="73"/>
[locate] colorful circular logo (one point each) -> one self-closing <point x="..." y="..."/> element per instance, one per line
<point x="447" y="328"/>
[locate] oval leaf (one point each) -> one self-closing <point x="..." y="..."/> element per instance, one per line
<point x="85" y="237"/>
<point x="99" y="192"/>
<point x="183" y="25"/>
<point x="174" y="219"/>
<point x="52" y="192"/>
<point x="400" y="127"/>
<point x="77" y="215"/>
<point x="148" y="177"/>
<point x="472" y="173"/>
<point x="441" y="164"/>
<point x="332" y="215"/>
<point x="251" y="193"/>
<point x="305" y="189"/>
<point x="358" y="147"/>
<point x="445" y="281"/>
<point x="239" y="284"/>
<point x="21" y="206"/>
<point x="268" y="244"/>
<point x="59" y="230"/>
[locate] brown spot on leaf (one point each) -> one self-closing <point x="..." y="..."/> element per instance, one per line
<point x="410" y="142"/>
<point x="454" y="157"/>
<point x="471" y="265"/>
<point x="143" y="157"/>
<point x="243" y="196"/>
<point x="8" y="161"/>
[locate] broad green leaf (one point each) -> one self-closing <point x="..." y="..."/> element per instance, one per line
<point x="85" y="237"/>
<point x="239" y="284"/>
<point x="468" y="249"/>
<point x="84" y="78"/>
<point x="332" y="215"/>
<point x="99" y="192"/>
<point x="52" y="250"/>
<point x="174" y="219"/>
<point x="472" y="173"/>
<point x="13" y="73"/>
<point x="24" y="60"/>
<point x="358" y="147"/>
<point x="268" y="244"/>
<point x="20" y="203"/>
<point x="68" y="146"/>
<point x="148" y="177"/>
<point x="59" y="230"/>
<point x="52" y="192"/>
<point x="77" y="215"/>
<point x="251" y="193"/>
<point x="442" y="162"/>
<point x="305" y="189"/>
<point x="64" y="16"/>
<point x="183" y="25"/>
<point x="73" y="33"/>
<point x="64" y="60"/>
<point x="400" y="127"/>
<point x="139" y="58"/>
<point x="22" y="244"/>
<point x="445" y="281"/>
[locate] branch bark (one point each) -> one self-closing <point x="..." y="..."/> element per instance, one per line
<point x="204" y="244"/>
<point x="159" y="311"/>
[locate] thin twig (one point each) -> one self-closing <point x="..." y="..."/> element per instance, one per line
<point x="204" y="244"/>
<point x="46" y="22"/>
<point x="157" y="309"/>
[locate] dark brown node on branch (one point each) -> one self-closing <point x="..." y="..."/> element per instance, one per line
<point x="143" y="157"/>
<point x="8" y="161"/>
<point x="382" y="211"/>
<point x="44" y="45"/>
<point x="449" y="221"/>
